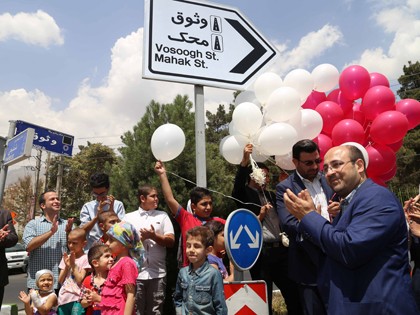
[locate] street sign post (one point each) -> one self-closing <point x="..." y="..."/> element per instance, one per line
<point x="48" y="139"/>
<point x="202" y="43"/>
<point x="243" y="238"/>
<point x="19" y="147"/>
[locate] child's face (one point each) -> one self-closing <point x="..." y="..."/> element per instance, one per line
<point x="109" y="222"/>
<point x="115" y="246"/>
<point x="203" y="208"/>
<point x="104" y="262"/>
<point x="150" y="201"/>
<point x="45" y="282"/>
<point x="219" y="242"/>
<point x="75" y="243"/>
<point x="196" y="251"/>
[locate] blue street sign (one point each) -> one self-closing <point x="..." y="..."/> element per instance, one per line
<point x="48" y="139"/>
<point x="19" y="147"/>
<point x="243" y="238"/>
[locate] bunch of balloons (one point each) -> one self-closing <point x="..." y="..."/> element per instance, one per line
<point x="362" y="110"/>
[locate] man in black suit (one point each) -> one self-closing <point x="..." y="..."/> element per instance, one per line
<point x="303" y="255"/>
<point x="272" y="264"/>
<point x="8" y="238"/>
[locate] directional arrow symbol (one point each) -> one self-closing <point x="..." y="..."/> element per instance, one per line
<point x="233" y="240"/>
<point x="257" y="52"/>
<point x="255" y="240"/>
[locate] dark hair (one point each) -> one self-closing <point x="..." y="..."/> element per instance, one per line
<point x="79" y="233"/>
<point x="198" y="193"/>
<point x="144" y="190"/>
<point x="103" y="216"/>
<point x="304" y="145"/>
<point x="95" y="252"/>
<point x="215" y="226"/>
<point x="206" y="235"/>
<point x="41" y="199"/>
<point x="355" y="154"/>
<point x="99" y="180"/>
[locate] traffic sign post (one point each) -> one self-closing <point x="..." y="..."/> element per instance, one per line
<point x="48" y="139"/>
<point x="202" y="43"/>
<point x="19" y="147"/>
<point x="243" y="238"/>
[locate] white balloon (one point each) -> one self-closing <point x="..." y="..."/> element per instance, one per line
<point x="231" y="148"/>
<point x="285" y="161"/>
<point x="362" y="149"/>
<point x="282" y="104"/>
<point x="278" y="138"/>
<point x="302" y="81"/>
<point x="167" y="142"/>
<point x="246" y="96"/>
<point x="325" y="77"/>
<point x="247" y="118"/>
<point x="265" y="84"/>
<point x="308" y="123"/>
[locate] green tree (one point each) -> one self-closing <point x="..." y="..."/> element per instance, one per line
<point x="406" y="182"/>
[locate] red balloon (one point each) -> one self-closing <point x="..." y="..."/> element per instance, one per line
<point x="354" y="82"/>
<point x="357" y="114"/>
<point x="324" y="144"/>
<point x="347" y="130"/>
<point x="379" y="181"/>
<point x="377" y="99"/>
<point x="389" y="175"/>
<point x="331" y="114"/>
<point x="378" y="79"/>
<point x="389" y="127"/>
<point x="314" y="99"/>
<point x="411" y="109"/>
<point x="396" y="146"/>
<point x="381" y="159"/>
<point x="333" y="95"/>
<point x="345" y="104"/>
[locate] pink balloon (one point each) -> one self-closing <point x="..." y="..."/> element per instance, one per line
<point x="357" y="114"/>
<point x="381" y="159"/>
<point x="333" y="95"/>
<point x="324" y="143"/>
<point x="378" y="79"/>
<point x="389" y="175"/>
<point x="389" y="127"/>
<point x="379" y="181"/>
<point x="345" y="104"/>
<point x="331" y="114"/>
<point x="377" y="99"/>
<point x="396" y="146"/>
<point x="354" y="82"/>
<point x="347" y="130"/>
<point x="314" y="99"/>
<point x="411" y="109"/>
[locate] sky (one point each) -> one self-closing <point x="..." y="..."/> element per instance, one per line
<point x="76" y="66"/>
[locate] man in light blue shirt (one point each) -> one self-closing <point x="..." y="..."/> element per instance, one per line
<point x="102" y="202"/>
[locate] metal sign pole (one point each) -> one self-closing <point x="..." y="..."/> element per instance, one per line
<point x="200" y="136"/>
<point x="3" y="170"/>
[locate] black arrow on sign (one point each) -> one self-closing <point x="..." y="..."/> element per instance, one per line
<point x="254" y="55"/>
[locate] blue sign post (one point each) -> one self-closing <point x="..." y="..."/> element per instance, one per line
<point x="48" y="139"/>
<point x="243" y="238"/>
<point x="19" y="147"/>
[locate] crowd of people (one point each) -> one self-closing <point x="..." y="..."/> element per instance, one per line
<point x="334" y="242"/>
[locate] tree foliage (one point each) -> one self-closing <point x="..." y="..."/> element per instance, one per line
<point x="406" y="182"/>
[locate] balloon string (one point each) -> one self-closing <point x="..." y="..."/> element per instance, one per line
<point x="214" y="191"/>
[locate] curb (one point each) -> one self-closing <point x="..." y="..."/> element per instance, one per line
<point x="10" y="309"/>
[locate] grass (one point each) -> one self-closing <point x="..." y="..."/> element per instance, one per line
<point x="279" y="307"/>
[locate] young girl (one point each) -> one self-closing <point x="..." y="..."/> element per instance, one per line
<point x="215" y="257"/>
<point x="118" y="294"/>
<point x="100" y="259"/>
<point x="44" y="300"/>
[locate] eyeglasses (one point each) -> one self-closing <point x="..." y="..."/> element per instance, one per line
<point x="311" y="162"/>
<point x="335" y="166"/>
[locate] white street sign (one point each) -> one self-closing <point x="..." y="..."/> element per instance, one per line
<point x="202" y="43"/>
